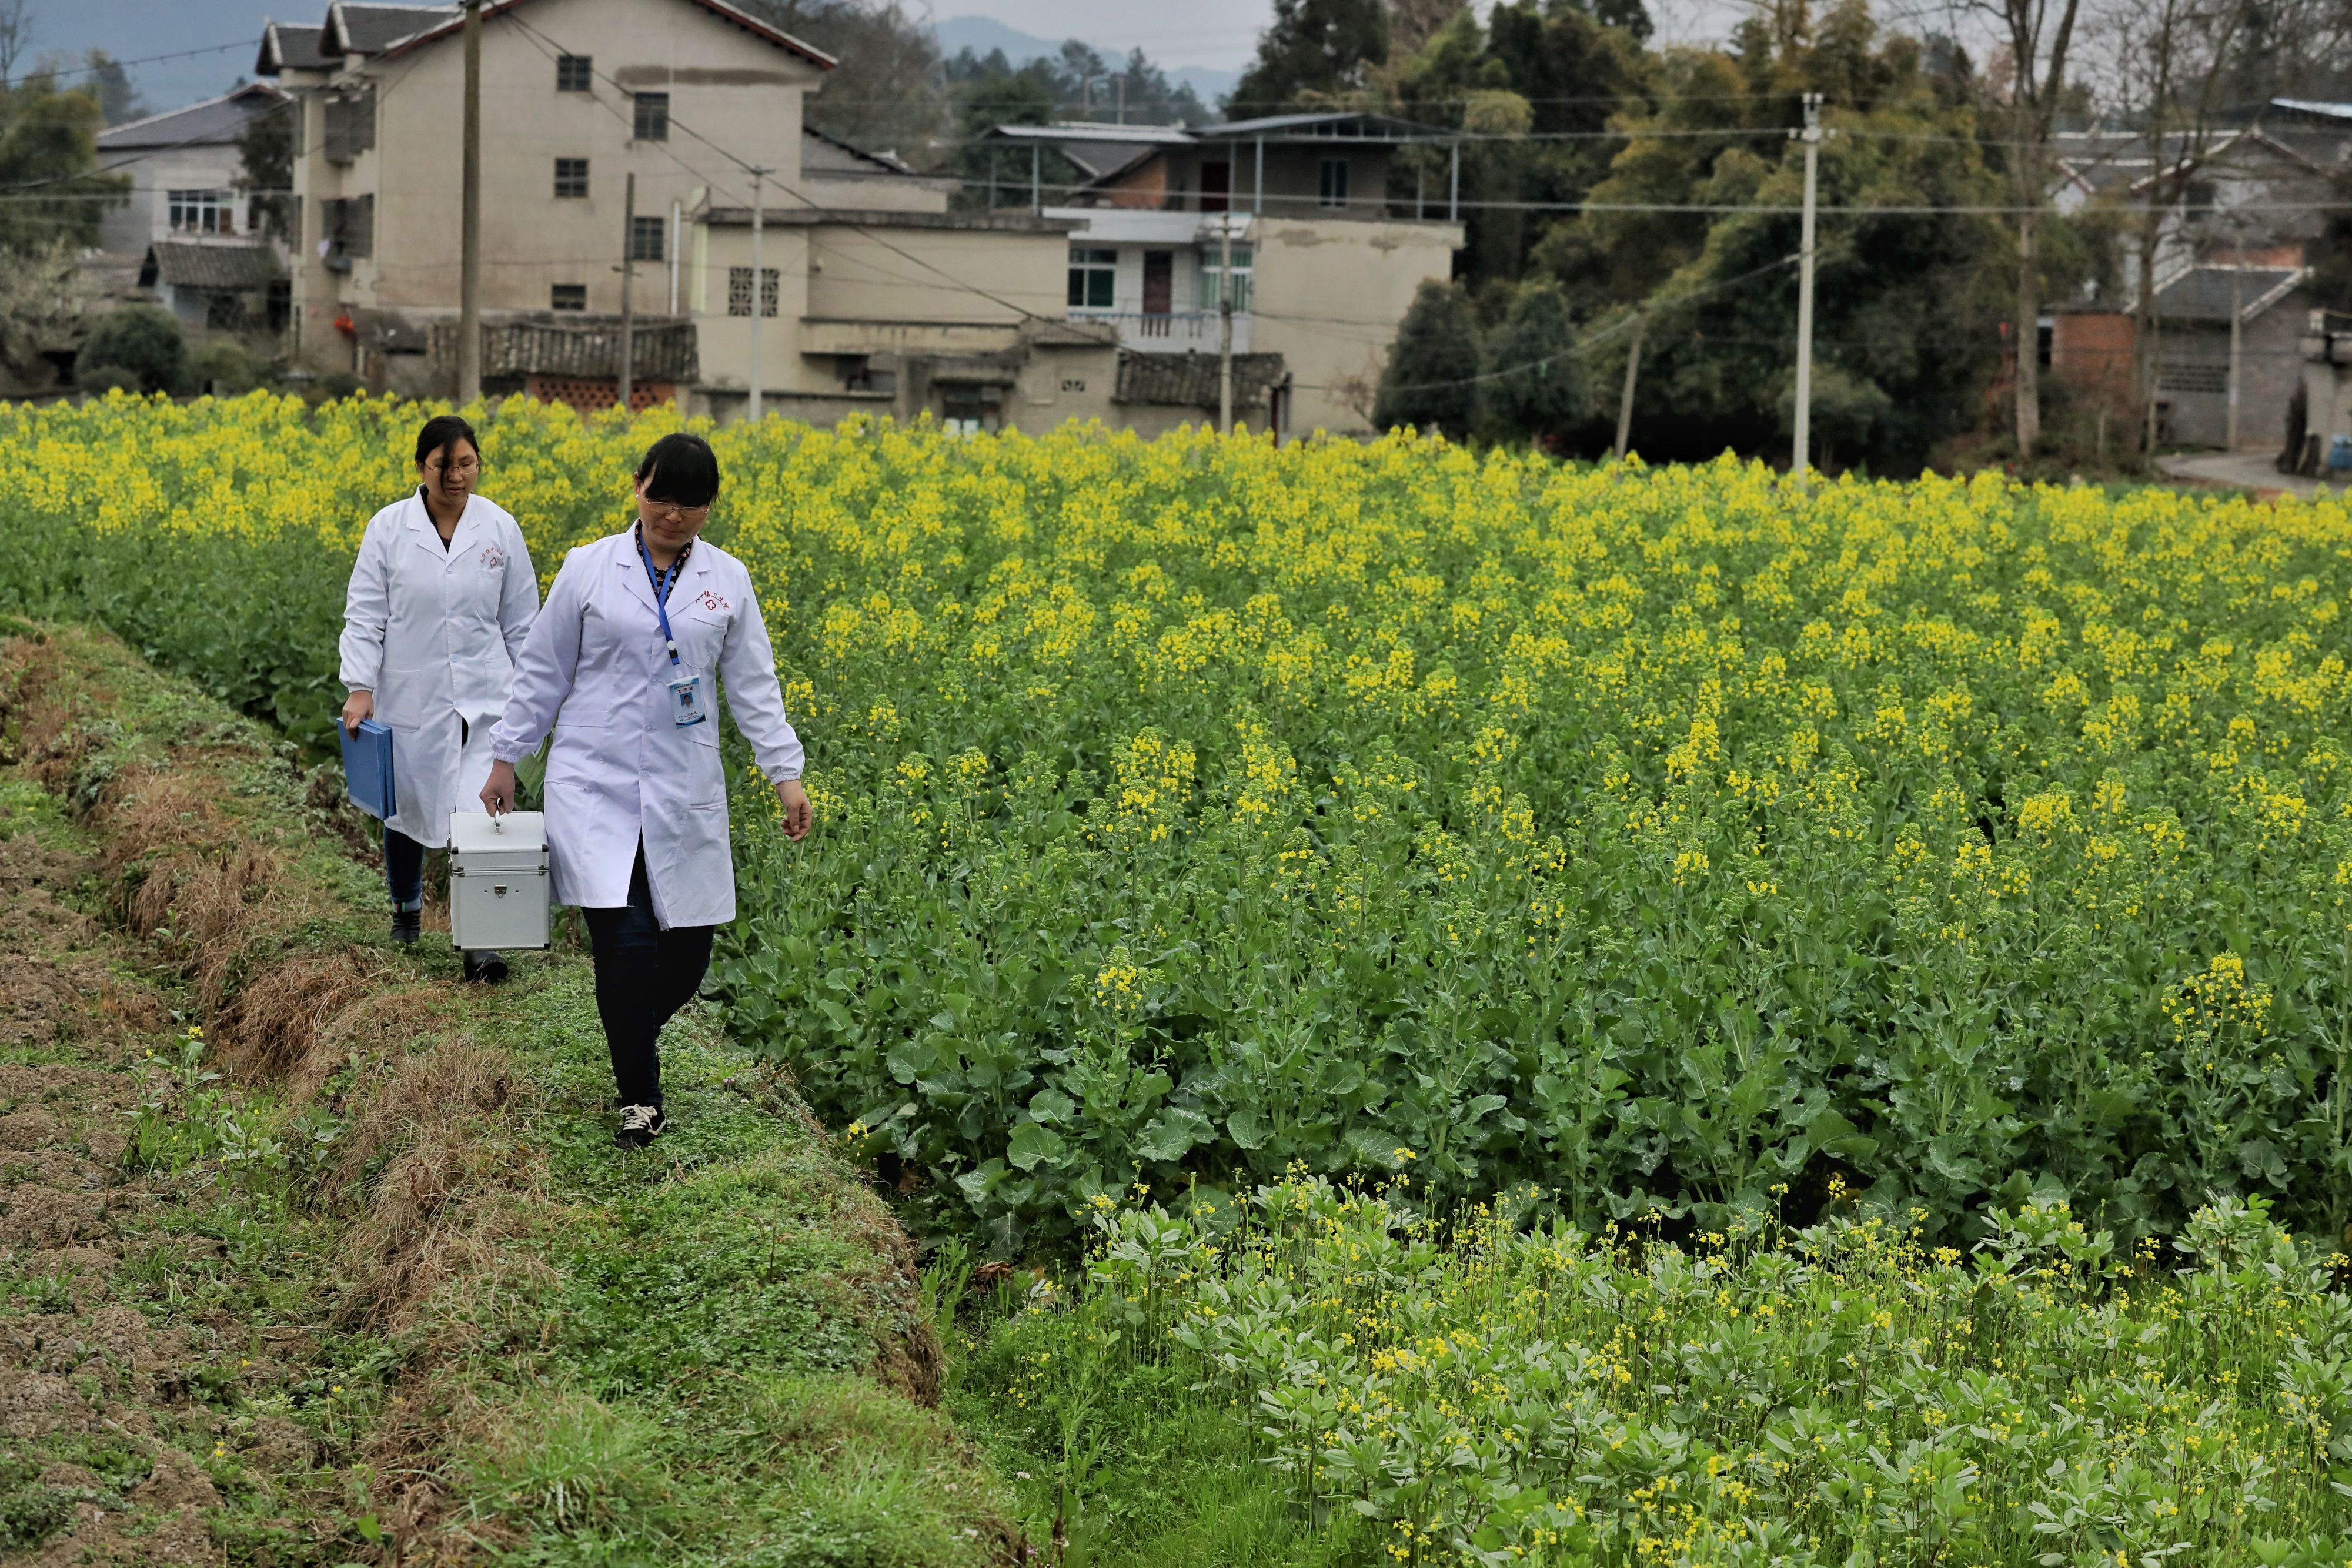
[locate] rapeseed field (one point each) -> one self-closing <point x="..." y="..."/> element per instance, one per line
<point x="1536" y="1014"/>
<point x="1196" y="810"/>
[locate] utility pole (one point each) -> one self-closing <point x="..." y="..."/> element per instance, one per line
<point x="1225" y="325"/>
<point x="1632" y="370"/>
<point x="469" y="218"/>
<point x="1454" y="187"/>
<point x="628" y="273"/>
<point x="1800" y="454"/>
<point x="759" y="291"/>
<point x="2236" y="325"/>
<point x="677" y="245"/>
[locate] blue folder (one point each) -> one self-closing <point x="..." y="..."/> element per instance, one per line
<point x="367" y="768"/>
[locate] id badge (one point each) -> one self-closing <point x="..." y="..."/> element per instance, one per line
<point x="686" y="701"/>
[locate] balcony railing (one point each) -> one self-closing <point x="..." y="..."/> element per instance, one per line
<point x="1171" y="332"/>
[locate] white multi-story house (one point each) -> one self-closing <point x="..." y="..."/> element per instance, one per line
<point x="613" y="126"/>
<point x="185" y="172"/>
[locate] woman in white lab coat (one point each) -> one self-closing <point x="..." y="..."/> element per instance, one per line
<point x="441" y="598"/>
<point x="623" y="666"/>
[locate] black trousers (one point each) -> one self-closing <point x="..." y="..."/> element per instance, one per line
<point x="403" y="858"/>
<point x="404" y="869"/>
<point x="644" y="975"/>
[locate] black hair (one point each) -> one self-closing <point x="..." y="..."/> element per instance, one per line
<point x="441" y="433"/>
<point x="680" y="468"/>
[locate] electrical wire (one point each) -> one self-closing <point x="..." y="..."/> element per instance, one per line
<point x="548" y="44"/>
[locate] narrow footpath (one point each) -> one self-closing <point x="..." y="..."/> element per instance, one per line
<point x="310" y="1254"/>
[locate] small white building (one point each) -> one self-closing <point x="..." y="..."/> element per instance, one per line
<point x="1325" y="258"/>
<point x="185" y="169"/>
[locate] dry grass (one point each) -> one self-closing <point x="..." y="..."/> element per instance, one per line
<point x="457" y="1184"/>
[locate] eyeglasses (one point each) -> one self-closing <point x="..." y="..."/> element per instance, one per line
<point x="673" y="510"/>
<point x="464" y="467"/>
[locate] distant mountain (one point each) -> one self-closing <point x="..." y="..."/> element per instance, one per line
<point x="981" y="34"/>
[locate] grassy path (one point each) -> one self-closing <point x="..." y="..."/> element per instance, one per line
<point x="382" y="1291"/>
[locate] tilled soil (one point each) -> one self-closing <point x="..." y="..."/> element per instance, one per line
<point x="107" y="1447"/>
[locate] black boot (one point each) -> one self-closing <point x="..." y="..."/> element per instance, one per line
<point x="487" y="968"/>
<point x="407" y="925"/>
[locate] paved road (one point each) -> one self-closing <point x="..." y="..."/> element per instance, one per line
<point x="2242" y="470"/>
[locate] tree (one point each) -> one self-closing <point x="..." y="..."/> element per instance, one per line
<point x="2173" y="60"/>
<point x="1430" y="380"/>
<point x="266" y="155"/>
<point x="1906" y="300"/>
<point x="994" y="94"/>
<point x="1414" y="23"/>
<point x="48" y="162"/>
<point x="15" y="37"/>
<point x="1316" y="49"/>
<point x="887" y="94"/>
<point x="1535" y="86"/>
<point x="2039" y="35"/>
<point x="1535" y="387"/>
<point x="44" y="294"/>
<point x="136" y="346"/>
<point x="118" y="100"/>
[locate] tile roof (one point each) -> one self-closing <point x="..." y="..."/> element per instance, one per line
<point x="719" y="8"/>
<point x="544" y="344"/>
<point x="822" y="154"/>
<point x="1190" y="380"/>
<point x="358" y="29"/>
<point x="291" y="47"/>
<point x="215" y="121"/>
<point x="210" y="264"/>
<point x="2209" y="293"/>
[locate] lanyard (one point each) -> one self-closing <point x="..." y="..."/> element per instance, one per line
<point x="661" y="595"/>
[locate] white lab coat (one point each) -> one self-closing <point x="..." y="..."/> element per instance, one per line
<point x="434" y="633"/>
<point x="595" y="669"/>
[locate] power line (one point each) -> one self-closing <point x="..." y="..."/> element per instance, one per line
<point x="547" y="43"/>
<point x="1594" y="338"/>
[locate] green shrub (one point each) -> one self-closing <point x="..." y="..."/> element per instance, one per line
<point x="226" y="367"/>
<point x="140" y="339"/>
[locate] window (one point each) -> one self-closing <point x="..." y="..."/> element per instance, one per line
<point x="568" y="296"/>
<point x="1094" y="275"/>
<point x="738" y="291"/>
<point x="574" y="73"/>
<point x="350" y="125"/>
<point x="2192" y="376"/>
<point x="572" y="177"/>
<point x="350" y="225"/>
<point x="646" y="238"/>
<point x="1213" y="268"/>
<point x="653" y="117"/>
<point x="199" y="212"/>
<point x="1333" y="191"/>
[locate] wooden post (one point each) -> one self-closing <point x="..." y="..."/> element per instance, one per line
<point x="1633" y="370"/>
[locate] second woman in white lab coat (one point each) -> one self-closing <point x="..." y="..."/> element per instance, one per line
<point x="623" y="663"/>
<point x="441" y="598"/>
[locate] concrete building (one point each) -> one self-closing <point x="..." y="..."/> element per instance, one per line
<point x="2193" y="350"/>
<point x="614" y="126"/>
<point x="1324" y="259"/>
<point x="185" y="170"/>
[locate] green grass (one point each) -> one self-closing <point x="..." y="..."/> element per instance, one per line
<point x="676" y="1356"/>
<point x="700" y="1324"/>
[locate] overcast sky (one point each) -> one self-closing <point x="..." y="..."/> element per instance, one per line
<point x="1221" y="33"/>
